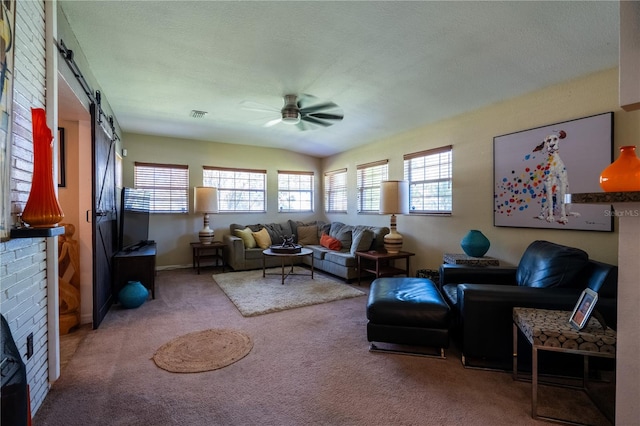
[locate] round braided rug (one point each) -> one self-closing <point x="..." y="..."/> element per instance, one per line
<point x="203" y="351"/>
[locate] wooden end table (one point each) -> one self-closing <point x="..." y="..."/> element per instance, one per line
<point x="383" y="263"/>
<point x="200" y="251"/>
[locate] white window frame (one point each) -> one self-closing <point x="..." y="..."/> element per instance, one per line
<point x="430" y="176"/>
<point x="239" y="190"/>
<point x="167" y="184"/>
<point x="295" y="191"/>
<point x="335" y="191"/>
<point x="370" y="176"/>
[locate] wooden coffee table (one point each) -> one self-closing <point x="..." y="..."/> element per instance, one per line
<point x="283" y="257"/>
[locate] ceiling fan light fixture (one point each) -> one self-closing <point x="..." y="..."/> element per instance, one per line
<point x="290" y="111"/>
<point x="290" y="116"/>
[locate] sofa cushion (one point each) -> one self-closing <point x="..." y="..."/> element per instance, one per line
<point x="343" y="233"/>
<point x="308" y="235"/>
<point x="546" y="264"/>
<point x="262" y="238"/>
<point x="253" y="254"/>
<point x="342" y="258"/>
<point x="318" y="251"/>
<point x="323" y="228"/>
<point x="362" y="239"/>
<point x="277" y="231"/>
<point x="330" y="242"/>
<point x="378" y="236"/>
<point x="246" y="236"/>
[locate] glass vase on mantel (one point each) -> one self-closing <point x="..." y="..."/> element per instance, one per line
<point x="42" y="209"/>
<point x="623" y="174"/>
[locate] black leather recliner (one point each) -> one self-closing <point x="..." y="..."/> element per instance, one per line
<point x="548" y="276"/>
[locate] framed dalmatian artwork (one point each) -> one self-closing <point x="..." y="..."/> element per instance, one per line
<point x="535" y="169"/>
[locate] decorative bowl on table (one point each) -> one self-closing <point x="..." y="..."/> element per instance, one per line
<point x="280" y="249"/>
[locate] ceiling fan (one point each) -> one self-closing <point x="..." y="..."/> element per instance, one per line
<point x="306" y="112"/>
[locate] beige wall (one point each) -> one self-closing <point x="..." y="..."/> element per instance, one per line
<point x="471" y="135"/>
<point x="174" y="232"/>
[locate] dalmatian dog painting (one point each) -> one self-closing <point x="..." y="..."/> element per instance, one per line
<point x="546" y="183"/>
<point x="534" y="168"/>
<point x="555" y="179"/>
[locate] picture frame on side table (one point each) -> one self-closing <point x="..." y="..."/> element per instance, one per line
<point x="535" y="169"/>
<point x="583" y="309"/>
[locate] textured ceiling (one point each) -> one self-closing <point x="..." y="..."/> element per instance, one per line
<point x="391" y="66"/>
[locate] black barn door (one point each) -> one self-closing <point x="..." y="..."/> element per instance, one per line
<point x="103" y="216"/>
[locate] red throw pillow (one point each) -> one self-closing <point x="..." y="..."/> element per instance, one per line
<point x="330" y="242"/>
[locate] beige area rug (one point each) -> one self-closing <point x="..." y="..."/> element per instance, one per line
<point x="254" y="295"/>
<point x="203" y="351"/>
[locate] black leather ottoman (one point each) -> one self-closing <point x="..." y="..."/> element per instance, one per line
<point x="407" y="311"/>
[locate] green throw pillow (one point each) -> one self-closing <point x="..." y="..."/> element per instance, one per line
<point x="247" y="237"/>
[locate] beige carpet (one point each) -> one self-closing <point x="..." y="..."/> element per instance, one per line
<point x="308" y="366"/>
<point x="254" y="295"/>
<point x="203" y="351"/>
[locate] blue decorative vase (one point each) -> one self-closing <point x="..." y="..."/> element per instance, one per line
<point x="133" y="295"/>
<point x="475" y="244"/>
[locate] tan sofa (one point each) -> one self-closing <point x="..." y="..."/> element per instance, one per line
<point x="341" y="263"/>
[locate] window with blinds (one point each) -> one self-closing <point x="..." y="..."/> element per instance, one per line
<point x="430" y="180"/>
<point x="369" y="177"/>
<point x="239" y="190"/>
<point x="168" y="185"/>
<point x="335" y="191"/>
<point x="295" y="191"/>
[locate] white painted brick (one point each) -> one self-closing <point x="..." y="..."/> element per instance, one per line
<point x="20" y="265"/>
<point x="7" y="257"/>
<point x="7" y="304"/>
<point x="23" y="286"/>
<point x="8" y="280"/>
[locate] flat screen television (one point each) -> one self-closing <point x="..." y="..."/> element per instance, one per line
<point x="134" y="219"/>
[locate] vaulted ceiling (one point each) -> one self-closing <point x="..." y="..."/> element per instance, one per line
<point x="390" y="66"/>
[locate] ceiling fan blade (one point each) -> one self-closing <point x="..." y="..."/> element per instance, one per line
<point x="304" y="100"/>
<point x="319" y="107"/>
<point x="325" y="116"/>
<point x="256" y="106"/>
<point x="317" y="121"/>
<point x="272" y="122"/>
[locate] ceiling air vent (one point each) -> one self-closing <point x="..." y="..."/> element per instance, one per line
<point x="197" y="114"/>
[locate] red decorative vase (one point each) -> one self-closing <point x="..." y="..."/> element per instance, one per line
<point x="623" y="174"/>
<point x="42" y="209"/>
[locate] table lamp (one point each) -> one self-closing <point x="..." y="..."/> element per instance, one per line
<point x="394" y="199"/>
<point x="206" y="201"/>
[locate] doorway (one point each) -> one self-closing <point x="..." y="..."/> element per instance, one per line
<point x="75" y="196"/>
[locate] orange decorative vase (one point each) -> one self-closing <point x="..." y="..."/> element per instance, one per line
<point x="623" y="174"/>
<point x="42" y="209"/>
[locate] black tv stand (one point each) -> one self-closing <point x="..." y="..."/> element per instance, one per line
<point x="138" y="246"/>
<point x="138" y="264"/>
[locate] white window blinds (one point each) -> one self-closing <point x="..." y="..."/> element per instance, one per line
<point x="430" y="180"/>
<point x="168" y="185"/>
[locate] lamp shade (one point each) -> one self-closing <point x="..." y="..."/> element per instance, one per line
<point x="394" y="197"/>
<point x="205" y="199"/>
